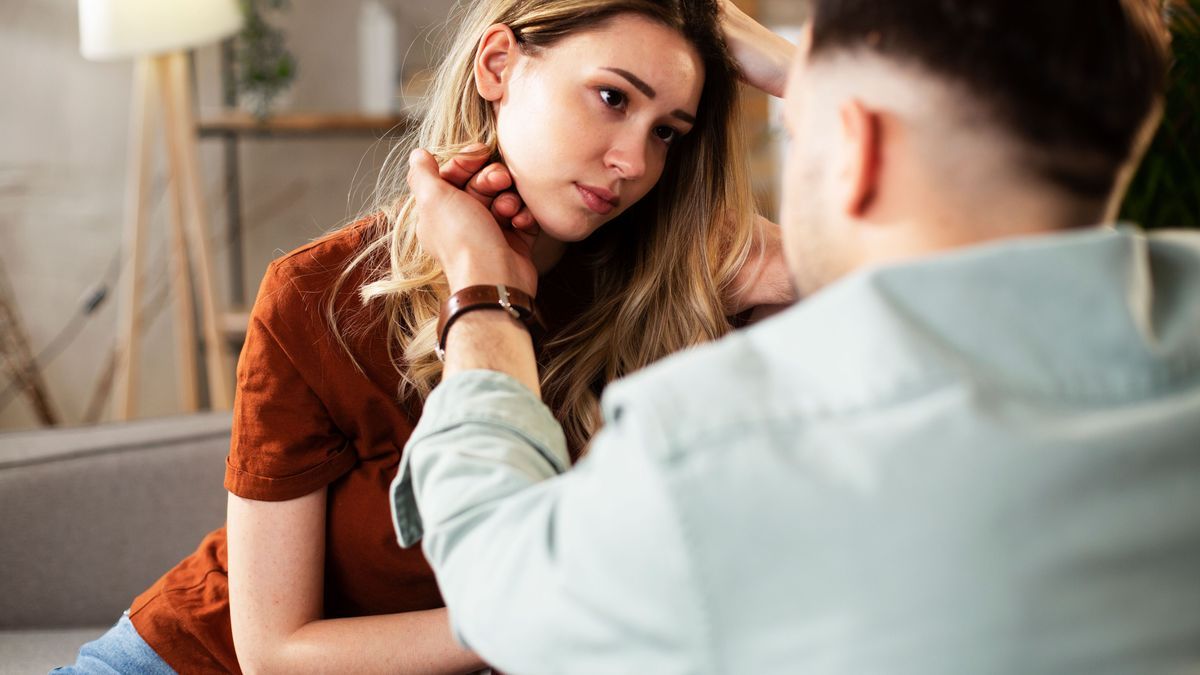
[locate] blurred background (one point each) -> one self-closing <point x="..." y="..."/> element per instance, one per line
<point x="292" y="116"/>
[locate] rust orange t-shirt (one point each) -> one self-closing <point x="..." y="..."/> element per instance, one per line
<point x="304" y="418"/>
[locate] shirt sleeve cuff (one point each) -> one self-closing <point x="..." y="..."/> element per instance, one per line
<point x="282" y="488"/>
<point x="480" y="397"/>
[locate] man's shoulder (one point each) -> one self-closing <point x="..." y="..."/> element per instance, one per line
<point x="816" y="363"/>
<point x="733" y="382"/>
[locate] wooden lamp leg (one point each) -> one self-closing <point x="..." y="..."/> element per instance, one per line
<point x="180" y="273"/>
<point x="164" y="79"/>
<point x="184" y="306"/>
<point x="181" y="142"/>
<point x="142" y="117"/>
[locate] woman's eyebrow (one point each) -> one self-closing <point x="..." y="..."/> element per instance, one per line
<point x="635" y="81"/>
<point x="683" y="116"/>
<point x="646" y="89"/>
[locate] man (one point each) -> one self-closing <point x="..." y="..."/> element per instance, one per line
<point x="973" y="448"/>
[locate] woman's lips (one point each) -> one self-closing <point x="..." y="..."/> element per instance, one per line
<point x="597" y="199"/>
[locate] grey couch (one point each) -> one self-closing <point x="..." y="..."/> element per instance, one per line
<point x="90" y="517"/>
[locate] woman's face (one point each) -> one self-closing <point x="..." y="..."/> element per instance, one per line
<point x="585" y="126"/>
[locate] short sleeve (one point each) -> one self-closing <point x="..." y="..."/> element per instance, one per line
<point x="284" y="443"/>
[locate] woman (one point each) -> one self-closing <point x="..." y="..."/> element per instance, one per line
<point x="615" y="119"/>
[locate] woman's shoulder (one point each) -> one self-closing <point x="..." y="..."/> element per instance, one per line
<point x="327" y="256"/>
<point x="298" y="284"/>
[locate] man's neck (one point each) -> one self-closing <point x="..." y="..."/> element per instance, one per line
<point x="947" y="228"/>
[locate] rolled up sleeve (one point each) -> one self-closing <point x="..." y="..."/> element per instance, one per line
<point x="471" y="423"/>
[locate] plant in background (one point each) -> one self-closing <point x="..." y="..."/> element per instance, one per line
<point x="1165" y="192"/>
<point x="265" y="68"/>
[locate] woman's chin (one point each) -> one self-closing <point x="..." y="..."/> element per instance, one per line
<point x="568" y="230"/>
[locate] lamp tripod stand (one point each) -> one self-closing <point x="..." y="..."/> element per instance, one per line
<point x="162" y="93"/>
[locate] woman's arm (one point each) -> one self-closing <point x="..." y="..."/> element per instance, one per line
<point x="276" y="586"/>
<point x="276" y="549"/>
<point x="763" y="60"/>
<point x="764" y="282"/>
<point x="763" y="57"/>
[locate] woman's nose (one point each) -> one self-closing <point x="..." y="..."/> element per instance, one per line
<point x="628" y="157"/>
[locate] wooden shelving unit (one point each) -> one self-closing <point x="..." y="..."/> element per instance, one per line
<point x="226" y="123"/>
<point x="231" y="126"/>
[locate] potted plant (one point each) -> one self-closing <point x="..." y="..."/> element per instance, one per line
<point x="265" y="68"/>
<point x="1165" y="192"/>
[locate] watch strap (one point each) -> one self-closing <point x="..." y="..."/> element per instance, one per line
<point x="516" y="302"/>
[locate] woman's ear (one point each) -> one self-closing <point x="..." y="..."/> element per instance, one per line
<point x="493" y="61"/>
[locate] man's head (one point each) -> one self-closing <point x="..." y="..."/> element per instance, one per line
<point x="922" y="125"/>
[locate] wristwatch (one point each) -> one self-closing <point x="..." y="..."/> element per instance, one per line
<point x="517" y="303"/>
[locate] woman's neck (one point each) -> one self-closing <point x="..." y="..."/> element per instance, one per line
<point x="546" y="253"/>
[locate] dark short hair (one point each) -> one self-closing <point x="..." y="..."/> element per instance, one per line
<point x="1076" y="80"/>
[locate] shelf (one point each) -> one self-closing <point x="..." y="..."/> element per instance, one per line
<point x="240" y="123"/>
<point x="234" y="323"/>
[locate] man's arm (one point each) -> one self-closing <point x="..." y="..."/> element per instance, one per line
<point x="491" y="341"/>
<point x="544" y="569"/>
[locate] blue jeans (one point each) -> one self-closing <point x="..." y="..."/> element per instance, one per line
<point x="121" y="650"/>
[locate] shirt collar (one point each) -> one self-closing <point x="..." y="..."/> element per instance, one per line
<point x="1097" y="313"/>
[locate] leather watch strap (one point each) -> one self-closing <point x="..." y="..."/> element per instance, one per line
<point x="516" y="302"/>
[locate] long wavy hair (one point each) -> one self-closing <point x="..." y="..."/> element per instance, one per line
<point x="657" y="272"/>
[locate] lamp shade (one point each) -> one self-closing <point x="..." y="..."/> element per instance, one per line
<point x="116" y="29"/>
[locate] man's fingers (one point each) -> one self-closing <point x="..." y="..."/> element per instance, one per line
<point x="491" y="181"/>
<point x="509" y="210"/>
<point x="524" y="222"/>
<point x="488" y="183"/>
<point x="465" y="164"/>
<point x="507" y="205"/>
<point x="502" y="208"/>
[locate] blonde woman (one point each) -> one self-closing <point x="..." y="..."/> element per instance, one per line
<point x="616" y="122"/>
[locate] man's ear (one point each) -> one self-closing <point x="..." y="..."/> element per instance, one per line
<point x="862" y="141"/>
<point x="493" y="61"/>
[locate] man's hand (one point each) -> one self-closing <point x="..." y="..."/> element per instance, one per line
<point x="458" y="212"/>
<point x="763" y="58"/>
<point x="458" y="208"/>
<point x="490" y="184"/>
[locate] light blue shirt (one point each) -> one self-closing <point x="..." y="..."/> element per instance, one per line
<point x="981" y="462"/>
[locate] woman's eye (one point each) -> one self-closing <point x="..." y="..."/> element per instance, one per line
<point x="666" y="134"/>
<point x="612" y="98"/>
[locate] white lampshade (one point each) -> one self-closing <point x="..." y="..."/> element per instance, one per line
<point x="115" y="29"/>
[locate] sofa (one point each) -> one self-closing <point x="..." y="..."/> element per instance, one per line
<point x="90" y="517"/>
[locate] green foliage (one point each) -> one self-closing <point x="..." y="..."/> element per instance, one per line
<point x="1165" y="192"/>
<point x="265" y="67"/>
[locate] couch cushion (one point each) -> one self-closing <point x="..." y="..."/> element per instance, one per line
<point x="37" y="651"/>
<point x="92" y="516"/>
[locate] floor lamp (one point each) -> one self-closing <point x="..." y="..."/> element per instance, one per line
<point x="156" y="33"/>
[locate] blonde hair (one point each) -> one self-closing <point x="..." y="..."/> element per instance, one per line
<point x="658" y="285"/>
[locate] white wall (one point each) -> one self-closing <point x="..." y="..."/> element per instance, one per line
<point x="63" y="135"/>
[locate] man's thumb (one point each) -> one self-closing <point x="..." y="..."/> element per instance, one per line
<point x="422" y="173"/>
